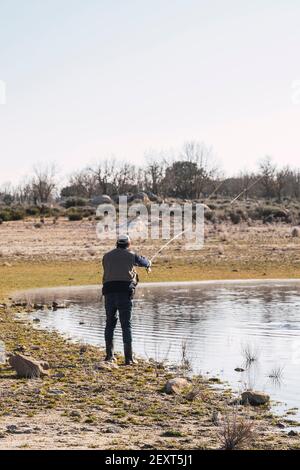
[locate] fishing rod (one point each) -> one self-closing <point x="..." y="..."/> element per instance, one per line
<point x="247" y="189"/>
<point x="216" y="189"/>
<point x="231" y="202"/>
<point x="168" y="243"/>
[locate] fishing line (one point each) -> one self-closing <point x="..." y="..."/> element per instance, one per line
<point x="246" y="189"/>
<point x="168" y="243"/>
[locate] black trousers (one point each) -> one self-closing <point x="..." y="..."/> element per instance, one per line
<point x="118" y="303"/>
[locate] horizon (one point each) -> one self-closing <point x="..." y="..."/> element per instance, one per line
<point x="105" y="79"/>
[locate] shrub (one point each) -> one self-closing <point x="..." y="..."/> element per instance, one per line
<point x="32" y="211"/>
<point x="9" y="213"/>
<point x="75" y="202"/>
<point x="267" y="211"/>
<point x="235" y="431"/>
<point x="73" y="216"/>
<point x="208" y="215"/>
<point x="5" y="215"/>
<point x="235" y="217"/>
<point x="296" y="232"/>
<point x="17" y="214"/>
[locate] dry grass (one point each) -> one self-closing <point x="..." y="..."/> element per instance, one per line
<point x="236" y="431"/>
<point x="250" y="354"/>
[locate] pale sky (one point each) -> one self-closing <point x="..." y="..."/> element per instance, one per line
<point x="87" y="79"/>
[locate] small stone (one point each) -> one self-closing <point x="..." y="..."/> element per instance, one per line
<point x="214" y="380"/>
<point x="280" y="425"/>
<point x="38" y="306"/>
<point x="292" y="433"/>
<point x="251" y="397"/>
<point x="106" y="366"/>
<point x="55" y="391"/>
<point x="56" y="305"/>
<point x="239" y="369"/>
<point x="216" y="418"/>
<point x="75" y="414"/>
<point x="112" y="430"/>
<point x="176" y="385"/>
<point x="20" y="348"/>
<point x="11" y="428"/>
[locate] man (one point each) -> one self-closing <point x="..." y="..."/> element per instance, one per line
<point x="119" y="282"/>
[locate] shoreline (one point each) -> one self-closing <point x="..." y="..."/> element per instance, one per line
<point x="217" y="282"/>
<point x="146" y="418"/>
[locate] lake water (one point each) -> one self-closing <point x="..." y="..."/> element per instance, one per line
<point x="217" y="321"/>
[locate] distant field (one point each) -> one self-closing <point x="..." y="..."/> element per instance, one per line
<point x="69" y="253"/>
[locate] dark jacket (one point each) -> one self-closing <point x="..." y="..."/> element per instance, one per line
<point x="119" y="274"/>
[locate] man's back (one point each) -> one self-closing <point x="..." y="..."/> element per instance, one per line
<point x="118" y="265"/>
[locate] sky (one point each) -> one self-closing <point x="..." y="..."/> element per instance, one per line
<point x="85" y="80"/>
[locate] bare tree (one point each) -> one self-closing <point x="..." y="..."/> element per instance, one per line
<point x="154" y="173"/>
<point x="81" y="184"/>
<point x="206" y="167"/>
<point x="268" y="172"/>
<point x="105" y="173"/>
<point x="43" y="183"/>
<point x="282" y="181"/>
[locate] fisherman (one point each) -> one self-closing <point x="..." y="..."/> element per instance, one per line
<point x="119" y="283"/>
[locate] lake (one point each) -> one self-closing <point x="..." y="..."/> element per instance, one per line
<point x="219" y="323"/>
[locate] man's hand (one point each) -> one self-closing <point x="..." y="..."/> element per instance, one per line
<point x="148" y="269"/>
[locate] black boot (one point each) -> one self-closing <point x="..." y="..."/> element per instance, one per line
<point x="110" y="352"/>
<point x="128" y="354"/>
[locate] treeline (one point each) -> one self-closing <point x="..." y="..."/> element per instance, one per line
<point x="192" y="174"/>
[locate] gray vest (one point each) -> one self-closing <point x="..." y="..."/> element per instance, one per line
<point x="118" y="265"/>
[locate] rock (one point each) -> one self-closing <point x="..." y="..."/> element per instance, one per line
<point x="36" y="320"/>
<point x="20" y="348"/>
<point x="27" y="367"/>
<point x="106" y="366"/>
<point x="280" y="425"/>
<point x="176" y="385"/>
<point x="251" y="397"/>
<point x="216" y="418"/>
<point x="55" y="391"/>
<point x="141" y="196"/>
<point x="239" y="369"/>
<point x="75" y="414"/>
<point x="56" y="305"/>
<point x="19" y="304"/>
<point x="11" y="428"/>
<point x="214" y="380"/>
<point x="292" y="433"/>
<point x="112" y="430"/>
<point x="102" y="199"/>
<point x="296" y="232"/>
<point x="38" y="306"/>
